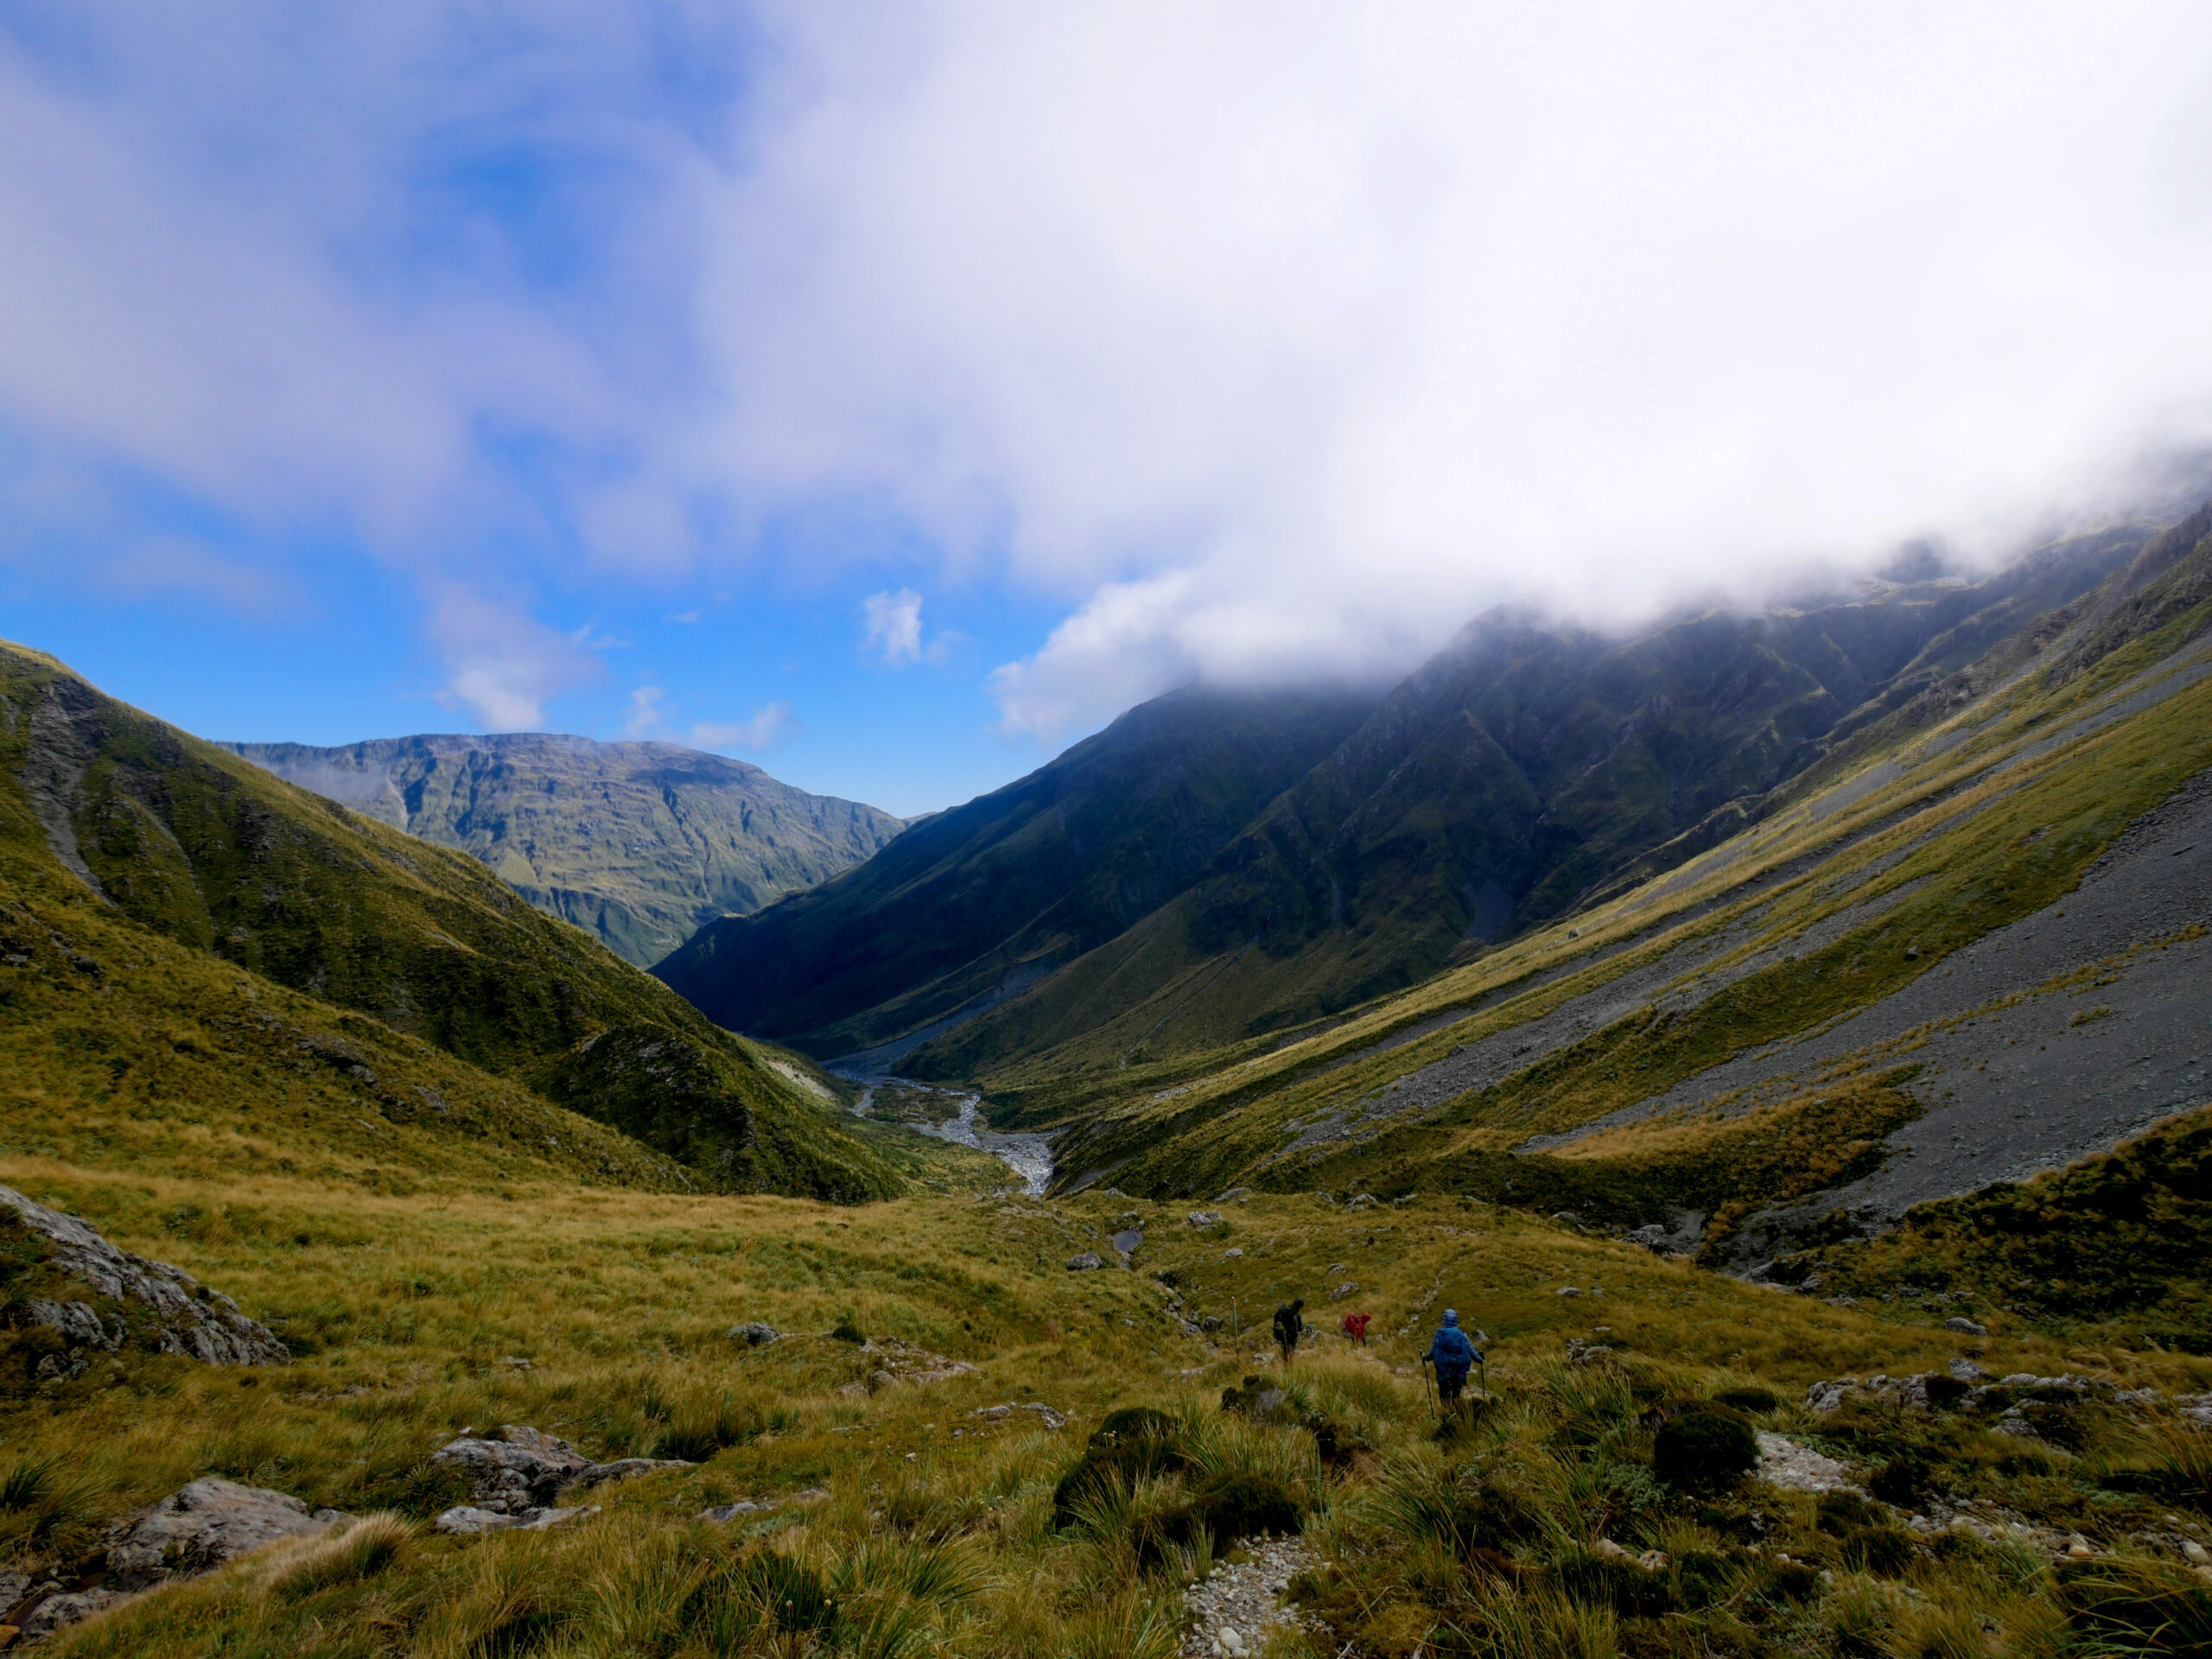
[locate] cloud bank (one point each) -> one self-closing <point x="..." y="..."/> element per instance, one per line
<point x="1271" y="341"/>
<point x="1283" y="339"/>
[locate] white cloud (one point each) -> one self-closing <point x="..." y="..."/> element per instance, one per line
<point x="764" y="728"/>
<point x="644" y="715"/>
<point x="1271" y="339"/>
<point x="1336" y="324"/>
<point x="891" y="626"/>
<point x="502" y="666"/>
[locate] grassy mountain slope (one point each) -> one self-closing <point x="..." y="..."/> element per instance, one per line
<point x="640" y="844"/>
<point x="1974" y="947"/>
<point x="1524" y="772"/>
<point x="186" y="842"/>
<point x="977" y="901"/>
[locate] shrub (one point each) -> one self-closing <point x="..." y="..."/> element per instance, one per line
<point x="846" y="1331"/>
<point x="1129" y="1445"/>
<point x="1839" y="1513"/>
<point x="1751" y="1400"/>
<point x="1792" y="1581"/>
<point x="1704" y="1578"/>
<point x="1241" y="1505"/>
<point x="1705" y="1446"/>
<point x="1905" y="1481"/>
<point x="1943" y="1392"/>
<point x="1133" y="1422"/>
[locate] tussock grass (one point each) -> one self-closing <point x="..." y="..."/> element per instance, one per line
<point x="932" y="1540"/>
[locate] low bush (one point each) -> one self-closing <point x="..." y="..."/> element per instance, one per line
<point x="1127" y="1446"/>
<point x="1905" y="1481"/>
<point x="1705" y="1446"/>
<point x="1241" y="1505"/>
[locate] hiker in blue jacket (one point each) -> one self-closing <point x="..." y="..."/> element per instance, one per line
<point x="1451" y="1353"/>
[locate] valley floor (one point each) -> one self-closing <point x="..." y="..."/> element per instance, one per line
<point x="903" y="1513"/>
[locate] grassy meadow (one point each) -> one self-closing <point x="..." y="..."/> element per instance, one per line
<point x="903" y="1524"/>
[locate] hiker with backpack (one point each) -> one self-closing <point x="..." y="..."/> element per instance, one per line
<point x="1355" y="1327"/>
<point x="1290" y="1323"/>
<point x="1451" y="1353"/>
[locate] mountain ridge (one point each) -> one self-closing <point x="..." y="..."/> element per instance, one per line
<point x="1523" y="771"/>
<point x="640" y="842"/>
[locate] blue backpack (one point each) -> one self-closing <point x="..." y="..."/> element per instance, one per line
<point x="1452" y="1350"/>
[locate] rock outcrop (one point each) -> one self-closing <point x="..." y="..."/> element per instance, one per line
<point x="517" y="1479"/>
<point x="201" y="1526"/>
<point x="193" y="1531"/>
<point x="132" y="1302"/>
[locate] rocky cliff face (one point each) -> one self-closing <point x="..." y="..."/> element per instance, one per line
<point x="640" y="843"/>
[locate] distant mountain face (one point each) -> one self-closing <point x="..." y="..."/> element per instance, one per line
<point x="978" y="902"/>
<point x="640" y="843"/>
<point x="1526" y="770"/>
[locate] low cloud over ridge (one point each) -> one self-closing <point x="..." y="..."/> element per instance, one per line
<point x="1271" y="341"/>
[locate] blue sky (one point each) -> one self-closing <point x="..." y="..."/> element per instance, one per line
<point x="890" y="394"/>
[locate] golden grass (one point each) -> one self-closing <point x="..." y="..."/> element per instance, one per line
<point x="938" y="1525"/>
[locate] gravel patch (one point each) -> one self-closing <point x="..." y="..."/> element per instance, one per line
<point x="1245" y="1599"/>
<point x="1797" y="1468"/>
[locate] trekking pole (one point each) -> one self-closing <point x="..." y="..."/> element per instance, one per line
<point x="1426" y="1390"/>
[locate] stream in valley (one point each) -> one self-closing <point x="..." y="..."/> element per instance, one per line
<point x="1029" y="1156"/>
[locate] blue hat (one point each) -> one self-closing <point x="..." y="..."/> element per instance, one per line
<point x="1450" y="1316"/>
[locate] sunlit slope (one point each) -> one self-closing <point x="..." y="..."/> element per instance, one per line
<point x="1978" y="933"/>
<point x="161" y="836"/>
<point x="1525" y="772"/>
<point x="641" y="844"/>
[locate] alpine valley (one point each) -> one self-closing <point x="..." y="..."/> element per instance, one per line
<point x="1779" y="1035"/>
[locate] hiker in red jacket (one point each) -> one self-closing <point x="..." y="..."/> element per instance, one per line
<point x="1355" y="1327"/>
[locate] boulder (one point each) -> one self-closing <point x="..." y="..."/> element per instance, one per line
<point x="201" y="1525"/>
<point x="525" y="1471"/>
<point x="1796" y="1468"/>
<point x="147" y="1304"/>
<point x="1084" y="1263"/>
<point x="1050" y="1418"/>
<point x="754" y="1334"/>
<point x="1827" y="1395"/>
<point x="463" y="1521"/>
<point x="56" y="1611"/>
<point x="722" y="1513"/>
<point x="1965" y="1327"/>
<point x="197" y="1527"/>
<point x="1205" y="1217"/>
